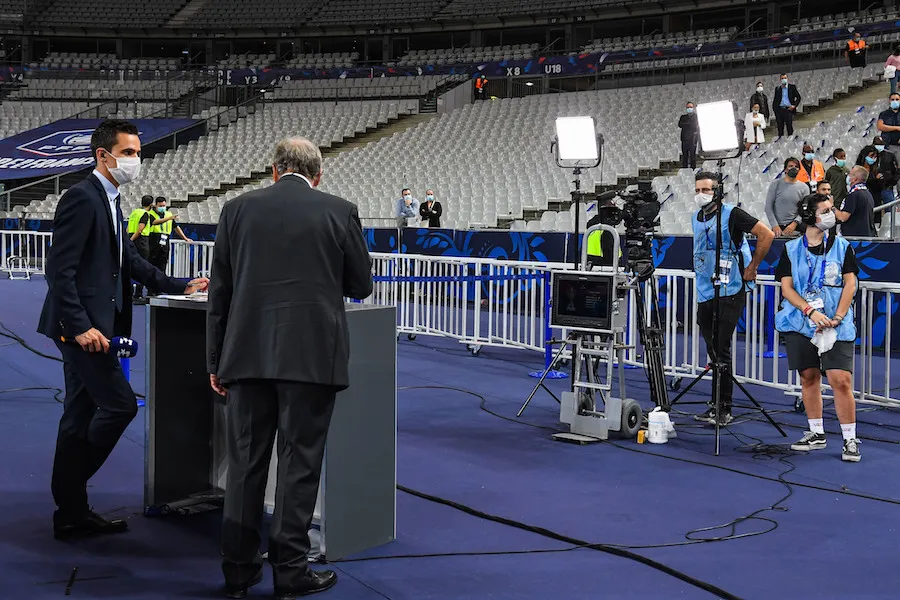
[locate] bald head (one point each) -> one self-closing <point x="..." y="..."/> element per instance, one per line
<point x="298" y="155"/>
<point x="858" y="174"/>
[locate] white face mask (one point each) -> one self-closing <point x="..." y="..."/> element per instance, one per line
<point x="826" y="221"/>
<point x="127" y="169"/>
<point x="407" y="197"/>
<point x="703" y="199"/>
<point x="759" y="89"/>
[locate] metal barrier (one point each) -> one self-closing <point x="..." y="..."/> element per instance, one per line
<point x="24" y="253"/>
<point x="486" y="302"/>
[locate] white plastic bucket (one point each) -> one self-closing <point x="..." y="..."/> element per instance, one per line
<point x="658" y="425"/>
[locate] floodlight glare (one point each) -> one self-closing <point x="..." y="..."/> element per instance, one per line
<point x="717" y="126"/>
<point x="577" y="139"/>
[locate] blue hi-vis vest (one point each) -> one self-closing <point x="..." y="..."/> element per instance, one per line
<point x="789" y="318"/>
<point x="705" y="256"/>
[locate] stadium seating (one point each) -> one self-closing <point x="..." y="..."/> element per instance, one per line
<point x="661" y="40"/>
<point x="358" y="88"/>
<point x="94" y="61"/>
<point x="454" y="56"/>
<point x="247" y="61"/>
<point x="340" y="12"/>
<point x="328" y="60"/>
<point x="100" y="89"/>
<point x="260" y="14"/>
<point x="16" y="117"/>
<point x="112" y="14"/>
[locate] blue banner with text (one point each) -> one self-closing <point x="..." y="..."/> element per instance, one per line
<point x="65" y="146"/>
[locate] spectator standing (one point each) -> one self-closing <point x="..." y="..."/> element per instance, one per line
<point x="836" y="175"/>
<point x="856" y="50"/>
<point x="889" y="121"/>
<point x="759" y="97"/>
<point x="407" y="208"/>
<point x="890" y="67"/>
<point x="857" y="211"/>
<point x="782" y="198"/>
<point x="811" y="170"/>
<point x="690" y="130"/>
<point x="785" y="101"/>
<point x="754" y="123"/>
<point x="431" y="210"/>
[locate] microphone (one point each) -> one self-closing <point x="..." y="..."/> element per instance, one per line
<point x="122" y="347"/>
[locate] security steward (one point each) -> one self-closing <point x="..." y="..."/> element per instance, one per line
<point x="856" y="50"/>
<point x="600" y="243"/>
<point x="160" y="234"/>
<point x="139" y="223"/>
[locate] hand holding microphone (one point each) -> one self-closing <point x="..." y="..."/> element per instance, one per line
<point x="94" y="341"/>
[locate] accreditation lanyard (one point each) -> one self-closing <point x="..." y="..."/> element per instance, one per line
<point x="811" y="264"/>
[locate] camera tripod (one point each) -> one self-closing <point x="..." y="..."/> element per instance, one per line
<point x="719" y="368"/>
<point x="650" y="333"/>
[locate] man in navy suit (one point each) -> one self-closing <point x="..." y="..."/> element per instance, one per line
<point x="89" y="270"/>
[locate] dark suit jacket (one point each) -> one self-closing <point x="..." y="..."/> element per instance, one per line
<point x="83" y="275"/>
<point x="793" y="97"/>
<point x="285" y="258"/>
<point x="434" y="215"/>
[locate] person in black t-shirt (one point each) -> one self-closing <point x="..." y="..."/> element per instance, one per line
<point x="817" y="300"/>
<point x="857" y="211"/>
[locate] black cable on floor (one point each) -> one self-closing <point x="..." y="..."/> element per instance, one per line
<point x="57" y="393"/>
<point x="10" y="334"/>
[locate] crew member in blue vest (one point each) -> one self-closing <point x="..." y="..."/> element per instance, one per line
<point x="818" y="281"/>
<point x="736" y="276"/>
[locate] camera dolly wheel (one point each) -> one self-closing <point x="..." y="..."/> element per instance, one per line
<point x="410" y="336"/>
<point x="675" y="384"/>
<point x="475" y="349"/>
<point x="631" y="419"/>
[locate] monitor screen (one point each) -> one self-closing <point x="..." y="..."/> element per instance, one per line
<point x="582" y="301"/>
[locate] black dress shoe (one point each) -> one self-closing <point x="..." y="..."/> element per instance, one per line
<point x="90" y="524"/>
<point x="241" y="592"/>
<point x="312" y="582"/>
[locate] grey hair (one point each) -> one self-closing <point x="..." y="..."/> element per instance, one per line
<point x="861" y="172"/>
<point x="298" y="155"/>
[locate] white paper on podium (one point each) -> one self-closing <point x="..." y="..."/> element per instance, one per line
<point x="195" y="297"/>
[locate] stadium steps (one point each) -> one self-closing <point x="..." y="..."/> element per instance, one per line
<point x="400" y="124"/>
<point x="872" y="93"/>
<point x="186" y="13"/>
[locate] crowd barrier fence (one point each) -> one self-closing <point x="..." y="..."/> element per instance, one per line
<point x="486" y="302"/>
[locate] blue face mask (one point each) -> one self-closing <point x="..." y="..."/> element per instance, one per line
<point x="895" y="104"/>
<point x="809" y="156"/>
<point x="870" y="160"/>
<point x="840" y="162"/>
<point x="690" y="110"/>
<point x="880" y="148"/>
<point x="848" y="181"/>
<point x="161" y="210"/>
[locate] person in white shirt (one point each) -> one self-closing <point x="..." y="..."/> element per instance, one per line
<point x="754" y="124"/>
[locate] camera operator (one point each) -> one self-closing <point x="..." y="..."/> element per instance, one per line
<point x="737" y="272"/>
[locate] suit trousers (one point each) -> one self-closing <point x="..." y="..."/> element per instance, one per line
<point x="142" y="245"/>
<point x="98" y="407"/>
<point x="784" y="119"/>
<point x="730" y="310"/>
<point x="255" y="410"/>
<point x="689" y="154"/>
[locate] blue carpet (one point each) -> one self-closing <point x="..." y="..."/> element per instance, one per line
<point x="828" y="543"/>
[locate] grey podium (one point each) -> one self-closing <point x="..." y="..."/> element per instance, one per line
<point x="184" y="450"/>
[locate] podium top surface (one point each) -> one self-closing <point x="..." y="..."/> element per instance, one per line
<point x="198" y="302"/>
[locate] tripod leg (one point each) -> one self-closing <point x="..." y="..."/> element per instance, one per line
<point x="690" y="385"/>
<point x="761" y="409"/>
<point x="540" y="383"/>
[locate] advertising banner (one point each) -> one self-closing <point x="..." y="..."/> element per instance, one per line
<point x="65" y="146"/>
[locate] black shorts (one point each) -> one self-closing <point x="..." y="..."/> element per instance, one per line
<point x="802" y="354"/>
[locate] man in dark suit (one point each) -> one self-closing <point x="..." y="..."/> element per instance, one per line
<point x="785" y="101"/>
<point x="278" y="347"/>
<point x="431" y="210"/>
<point x="89" y="270"/>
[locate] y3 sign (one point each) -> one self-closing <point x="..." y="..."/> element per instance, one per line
<point x="65" y="146"/>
